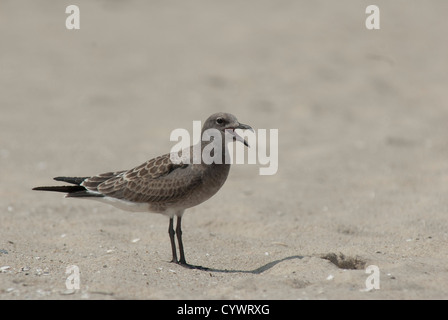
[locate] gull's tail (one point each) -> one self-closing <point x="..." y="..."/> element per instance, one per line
<point x="72" y="191"/>
<point x="65" y="189"/>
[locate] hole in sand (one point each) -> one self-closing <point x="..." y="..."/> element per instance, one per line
<point x="343" y="262"/>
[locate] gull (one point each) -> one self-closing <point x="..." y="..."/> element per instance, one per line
<point x="161" y="185"/>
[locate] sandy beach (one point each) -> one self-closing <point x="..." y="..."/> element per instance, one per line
<point x="362" y="175"/>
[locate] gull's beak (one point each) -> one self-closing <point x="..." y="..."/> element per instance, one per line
<point x="244" y="127"/>
<point x="238" y="137"/>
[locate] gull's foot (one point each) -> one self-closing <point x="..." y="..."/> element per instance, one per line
<point x="184" y="264"/>
<point x="190" y="266"/>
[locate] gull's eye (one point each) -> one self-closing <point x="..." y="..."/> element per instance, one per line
<point x="220" y="121"/>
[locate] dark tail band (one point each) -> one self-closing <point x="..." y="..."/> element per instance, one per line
<point x="77" y="191"/>
<point x="65" y="189"/>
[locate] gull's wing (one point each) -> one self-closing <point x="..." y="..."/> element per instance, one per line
<point x="157" y="180"/>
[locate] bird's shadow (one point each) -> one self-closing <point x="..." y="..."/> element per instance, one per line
<point x="258" y="270"/>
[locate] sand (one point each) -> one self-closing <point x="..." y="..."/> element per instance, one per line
<point x="362" y="174"/>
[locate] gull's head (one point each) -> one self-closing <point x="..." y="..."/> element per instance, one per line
<point x="226" y="123"/>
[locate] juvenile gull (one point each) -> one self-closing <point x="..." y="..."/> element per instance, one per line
<point x="160" y="185"/>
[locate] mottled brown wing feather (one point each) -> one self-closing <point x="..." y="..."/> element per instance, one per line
<point x="157" y="180"/>
<point x="92" y="183"/>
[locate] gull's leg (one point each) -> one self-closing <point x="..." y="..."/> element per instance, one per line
<point x="179" y="240"/>
<point x="182" y="260"/>
<point x="173" y="244"/>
